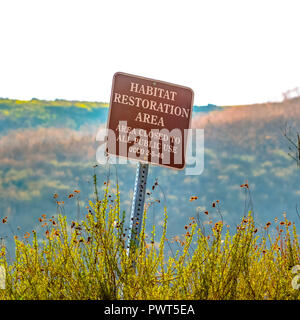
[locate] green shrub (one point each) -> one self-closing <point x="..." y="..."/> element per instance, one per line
<point x="88" y="260"/>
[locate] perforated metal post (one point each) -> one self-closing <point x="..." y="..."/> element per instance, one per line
<point x="137" y="208"/>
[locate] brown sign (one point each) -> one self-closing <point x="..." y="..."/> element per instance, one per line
<point x="148" y="120"/>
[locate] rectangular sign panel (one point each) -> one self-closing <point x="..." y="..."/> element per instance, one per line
<point x="149" y="120"/>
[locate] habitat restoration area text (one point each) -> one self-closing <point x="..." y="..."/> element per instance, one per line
<point x="154" y="308"/>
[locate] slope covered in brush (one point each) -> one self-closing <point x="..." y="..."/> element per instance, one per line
<point x="51" y="149"/>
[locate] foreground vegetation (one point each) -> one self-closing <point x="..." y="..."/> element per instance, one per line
<point x="88" y="259"/>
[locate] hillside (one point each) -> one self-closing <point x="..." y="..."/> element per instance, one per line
<point x="49" y="147"/>
<point x="17" y="114"/>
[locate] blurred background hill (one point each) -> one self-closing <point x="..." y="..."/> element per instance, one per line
<point x="48" y="147"/>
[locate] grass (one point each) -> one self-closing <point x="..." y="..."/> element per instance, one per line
<point x="28" y="104"/>
<point x="88" y="259"/>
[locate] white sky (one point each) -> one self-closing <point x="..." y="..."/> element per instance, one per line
<point x="228" y="52"/>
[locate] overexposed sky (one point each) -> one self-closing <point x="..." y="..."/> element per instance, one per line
<point x="228" y="52"/>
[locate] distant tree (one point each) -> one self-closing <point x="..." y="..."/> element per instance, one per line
<point x="293" y="139"/>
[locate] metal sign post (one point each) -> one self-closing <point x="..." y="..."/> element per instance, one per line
<point x="147" y="122"/>
<point x="137" y="208"/>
